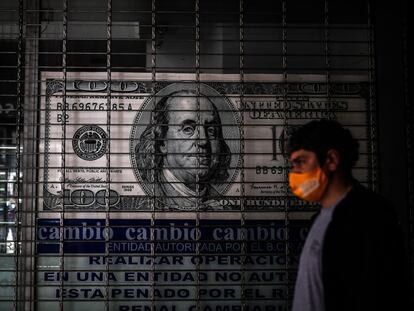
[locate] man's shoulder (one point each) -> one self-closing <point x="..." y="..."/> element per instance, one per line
<point x="360" y="218"/>
<point x="364" y="206"/>
<point x="361" y="197"/>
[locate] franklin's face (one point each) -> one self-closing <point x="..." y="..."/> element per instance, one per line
<point x="191" y="145"/>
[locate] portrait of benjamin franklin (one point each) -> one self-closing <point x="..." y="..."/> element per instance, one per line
<point x="182" y="156"/>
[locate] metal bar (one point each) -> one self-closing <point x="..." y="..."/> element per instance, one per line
<point x="19" y="263"/>
<point x="108" y="152"/>
<point x="327" y="49"/>
<point x="242" y="147"/>
<point x="373" y="174"/>
<point x="29" y="134"/>
<point x="285" y="127"/>
<point x="197" y="218"/>
<point x="153" y="122"/>
<point x="63" y="157"/>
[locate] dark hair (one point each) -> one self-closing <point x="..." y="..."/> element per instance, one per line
<point x="148" y="152"/>
<point x="321" y="136"/>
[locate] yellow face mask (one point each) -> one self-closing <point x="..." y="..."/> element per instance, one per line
<point x="309" y="186"/>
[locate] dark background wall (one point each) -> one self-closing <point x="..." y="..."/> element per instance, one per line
<point x="394" y="102"/>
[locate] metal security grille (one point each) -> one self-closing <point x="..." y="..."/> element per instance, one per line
<point x="142" y="159"/>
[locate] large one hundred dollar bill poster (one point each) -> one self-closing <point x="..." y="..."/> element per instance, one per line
<point x="171" y="194"/>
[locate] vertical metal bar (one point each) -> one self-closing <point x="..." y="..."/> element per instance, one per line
<point x="29" y="155"/>
<point x="285" y="126"/>
<point x="153" y="168"/>
<point x="242" y="162"/>
<point x="197" y="220"/>
<point x="18" y="285"/>
<point x="63" y="155"/>
<point x="108" y="151"/>
<point x="327" y="51"/>
<point x="372" y="110"/>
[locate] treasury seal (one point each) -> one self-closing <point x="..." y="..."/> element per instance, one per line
<point x="89" y="142"/>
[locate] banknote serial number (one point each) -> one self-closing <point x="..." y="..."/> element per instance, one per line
<point x="93" y="106"/>
<point x="274" y="170"/>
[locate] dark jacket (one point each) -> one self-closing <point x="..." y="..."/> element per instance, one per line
<point x="363" y="261"/>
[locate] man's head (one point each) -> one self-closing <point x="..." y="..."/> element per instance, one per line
<point x="319" y="151"/>
<point x="187" y="138"/>
<point x="322" y="138"/>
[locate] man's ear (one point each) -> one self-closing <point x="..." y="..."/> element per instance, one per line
<point x="163" y="148"/>
<point x="332" y="160"/>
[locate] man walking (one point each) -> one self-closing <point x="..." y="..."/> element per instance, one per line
<point x="353" y="257"/>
